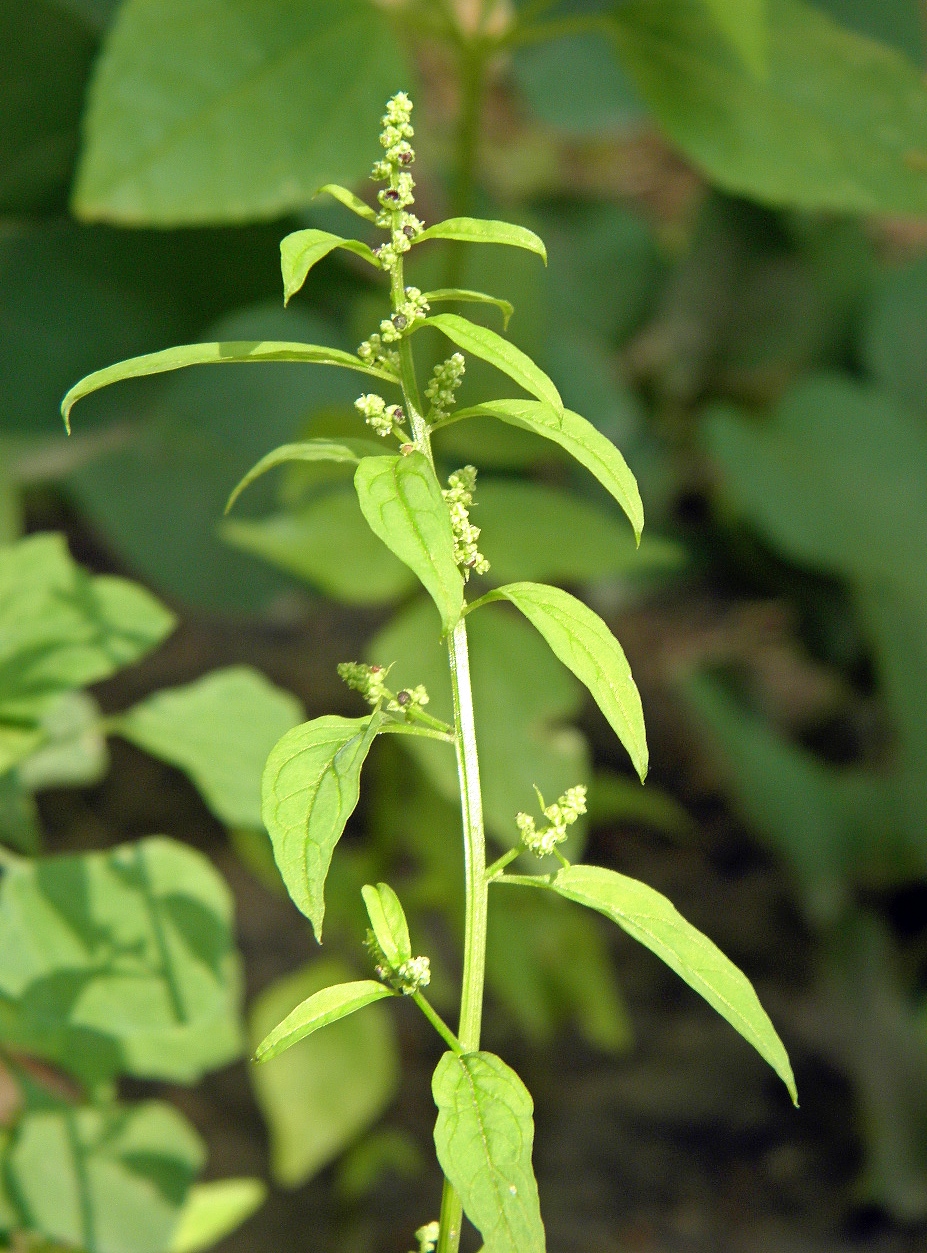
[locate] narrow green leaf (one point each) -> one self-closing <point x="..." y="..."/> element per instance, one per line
<point x="745" y="24"/>
<point x="484" y="1136"/>
<point x="349" y="200"/>
<point x="485" y="231"/>
<point x="213" y="354"/>
<point x="213" y="1211"/>
<point x="489" y="346"/>
<point x="465" y="296"/>
<point x="344" y="450"/>
<point x="577" y="437"/>
<point x="585" y="645"/>
<point x="401" y="499"/>
<point x="388" y="919"/>
<point x="656" y="923"/>
<point x="310" y="789"/>
<point x="300" y="251"/>
<point x="317" y="1011"/>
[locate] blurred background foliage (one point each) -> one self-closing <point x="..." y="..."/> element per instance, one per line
<point x="734" y="199"/>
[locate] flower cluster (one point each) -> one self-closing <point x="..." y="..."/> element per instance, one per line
<point x="408" y="978"/>
<point x="443" y="385"/>
<point x="384" y="419"/>
<point x="372" y="352"/>
<point x="427" y="1237"/>
<point x="396" y="198"/>
<point x="459" y="498"/>
<point x="414" y="306"/>
<point x="560" y="815"/>
<point x="370" y="681"/>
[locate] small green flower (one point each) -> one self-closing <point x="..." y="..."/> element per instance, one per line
<point x="384" y="419"/>
<point x="368" y="680"/>
<point x="459" y="498"/>
<point x="442" y="386"/>
<point x="560" y="815"/>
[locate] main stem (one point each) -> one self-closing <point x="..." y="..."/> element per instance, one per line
<point x="471" y="803"/>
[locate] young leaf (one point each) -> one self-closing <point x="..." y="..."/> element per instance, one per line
<point x="484" y="1135"/>
<point x="213" y="354"/>
<point x="310" y="788"/>
<point x="317" y="1011"/>
<point x="344" y="450"/>
<point x="465" y="296"/>
<point x="655" y="922"/>
<point x="300" y="250"/>
<point x="585" y="645"/>
<point x="578" y="437"/>
<point x="402" y="502"/>
<point x="349" y="200"/>
<point x="489" y="346"/>
<point x="388" y="919"/>
<point x="213" y="1211"/>
<point x="485" y="231"/>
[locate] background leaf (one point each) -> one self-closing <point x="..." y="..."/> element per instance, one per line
<point x="319" y="1010"/>
<point x="744" y="24"/>
<point x="213" y="1211"/>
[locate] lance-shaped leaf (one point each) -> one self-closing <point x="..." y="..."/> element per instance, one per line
<point x="465" y="296"/>
<point x="656" y="923"/>
<point x="310" y="789"/>
<point x="576" y="436"/>
<point x="318" y="1011"/>
<point x="485" y="231"/>
<point x="484" y="1135"/>
<point x="213" y="1211"/>
<point x="232" y="351"/>
<point x="585" y="645"/>
<point x="349" y="200"/>
<point x="489" y="346"/>
<point x="401" y="499"/>
<point x="300" y="251"/>
<point x="348" y="451"/>
<point x="388" y="919"/>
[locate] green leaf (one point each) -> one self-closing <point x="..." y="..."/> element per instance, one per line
<point x="388" y="919"/>
<point x="106" y="1180"/>
<point x="466" y="296"/>
<point x="349" y="200"/>
<point x="655" y="922"/>
<point x="585" y="645"/>
<point x="489" y="346"/>
<point x="837" y="122"/>
<point x="348" y="451"/>
<point x="484" y="1136"/>
<point x="322" y="1094"/>
<point x="300" y="251"/>
<point x="213" y="354"/>
<point x="579" y="438"/>
<point x="401" y="499"/>
<point x="19" y="816"/>
<point x="319" y="1010"/>
<point x="224" y="111"/>
<point x="213" y="1211"/>
<point x="895" y="339"/>
<point x="576" y="85"/>
<point x="310" y="789"/>
<point x="485" y="231"/>
<point x="744" y="23"/>
<point x="73" y="752"/>
<point x="219" y="731"/>
<point x="329" y="545"/>
<point x="120" y="962"/>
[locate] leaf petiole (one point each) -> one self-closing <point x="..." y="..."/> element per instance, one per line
<point x="438" y="1023"/>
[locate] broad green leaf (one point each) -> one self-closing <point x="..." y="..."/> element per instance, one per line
<point x="19" y="815"/>
<point x="213" y="1211"/>
<point x="348" y="451"/>
<point x="223" y="110"/>
<point x="300" y="251"/>
<point x="895" y="338"/>
<point x="319" y="1010"/>
<point x="120" y="962"/>
<point x="896" y="22"/>
<point x="112" y="1179"/>
<point x="310" y="789"/>
<point x="465" y="296"/>
<point x="836" y="122"/>
<point x="213" y="354"/>
<point x="349" y="200"/>
<point x="388" y="919"/>
<point x="655" y="922"/>
<point x="219" y="731"/>
<point x="579" y="438"/>
<point x="73" y="752"/>
<point x="401" y="499"/>
<point x="485" y="231"/>
<point x="585" y="645"/>
<point x="744" y="23"/>
<point x="329" y="545"/>
<point x="576" y="85"/>
<point x="321" y="1095"/>
<point x="489" y="346"/>
<point x="484" y="1135"/>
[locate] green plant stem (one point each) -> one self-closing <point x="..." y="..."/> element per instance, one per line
<point x="505" y="860"/>
<point x="437" y="1022"/>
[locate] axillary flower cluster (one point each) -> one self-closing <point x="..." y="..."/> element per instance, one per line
<point x="560" y="816"/>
